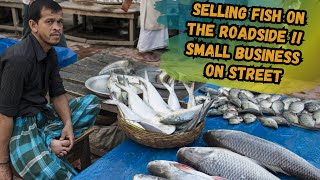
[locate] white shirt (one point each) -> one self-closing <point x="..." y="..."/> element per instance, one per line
<point x="26" y="1"/>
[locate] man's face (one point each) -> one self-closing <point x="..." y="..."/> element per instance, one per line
<point x="50" y="26"/>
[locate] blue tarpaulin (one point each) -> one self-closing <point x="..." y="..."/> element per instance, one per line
<point x="130" y="158"/>
<point x="65" y="55"/>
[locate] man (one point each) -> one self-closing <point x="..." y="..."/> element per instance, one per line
<point x="35" y="137"/>
<point x="25" y="22"/>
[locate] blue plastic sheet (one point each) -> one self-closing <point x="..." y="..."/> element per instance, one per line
<point x="130" y="158"/>
<point x="65" y="55"/>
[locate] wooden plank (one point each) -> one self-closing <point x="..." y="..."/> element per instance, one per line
<point x="115" y="43"/>
<point x="74" y="38"/>
<point x="12" y="28"/>
<point x="15" y="17"/>
<point x="75" y="89"/>
<point x="17" y="4"/>
<point x="131" y="30"/>
<point x="74" y="77"/>
<point x="75" y="68"/>
<point x="93" y="63"/>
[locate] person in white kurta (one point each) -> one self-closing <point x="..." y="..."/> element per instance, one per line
<point x="152" y="34"/>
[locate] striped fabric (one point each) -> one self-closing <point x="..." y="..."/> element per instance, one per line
<point x="30" y="152"/>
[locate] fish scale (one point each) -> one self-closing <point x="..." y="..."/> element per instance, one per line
<point x="224" y="163"/>
<point x="263" y="151"/>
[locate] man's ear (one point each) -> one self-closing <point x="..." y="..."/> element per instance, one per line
<point x="33" y="26"/>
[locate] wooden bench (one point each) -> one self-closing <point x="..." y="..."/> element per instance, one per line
<point x="15" y="5"/>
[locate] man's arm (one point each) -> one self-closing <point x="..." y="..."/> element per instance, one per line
<point x="61" y="106"/>
<point x="6" y="125"/>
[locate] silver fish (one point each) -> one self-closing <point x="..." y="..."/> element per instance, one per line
<point x="116" y="67"/>
<point x="190" y="90"/>
<point x="275" y="98"/>
<point x="214" y="112"/>
<point x="296" y="107"/>
<point x="265" y="103"/>
<point x="146" y="112"/>
<point x="306" y="119"/>
<point x="222" y="162"/>
<point x="224" y="91"/>
<point x="173" y="100"/>
<point x="201" y="99"/>
<point x="277" y="106"/>
<point x="247" y="93"/>
<point x="146" y="177"/>
<point x="269" y="122"/>
<point x="316" y="117"/>
<point x="145" y="96"/>
<point x="235" y="120"/>
<point x="268" y="111"/>
<point x="230" y="114"/>
<point x="177" y="171"/>
<point x="235" y="101"/>
<point x="312" y="106"/>
<point x="234" y="93"/>
<point x="212" y="92"/>
<point x="280" y="120"/>
<point x="155" y="99"/>
<point x="249" y="118"/>
<point x="271" y="155"/>
<point x="288" y="101"/>
<point x="261" y="97"/>
<point x="291" y="117"/>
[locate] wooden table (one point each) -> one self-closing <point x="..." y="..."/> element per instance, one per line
<point x="15" y="5"/>
<point x="94" y="10"/>
<point x="101" y="10"/>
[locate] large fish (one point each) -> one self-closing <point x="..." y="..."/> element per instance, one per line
<point x="271" y="155"/>
<point x="155" y="99"/>
<point x="146" y="177"/>
<point x="190" y="90"/>
<point x="222" y="162"/>
<point x="146" y="112"/>
<point x="177" y="171"/>
<point x="121" y="67"/>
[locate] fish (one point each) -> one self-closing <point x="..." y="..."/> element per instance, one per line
<point x="230" y="114"/>
<point x="234" y="93"/>
<point x="269" y="122"/>
<point x="181" y="115"/>
<point x="142" y="109"/>
<point x="225" y="163"/>
<point x="224" y="91"/>
<point x="306" y="119"/>
<point x="312" y="106"/>
<point x="214" y="112"/>
<point x="212" y="92"/>
<point x="190" y="90"/>
<point x="280" y="120"/>
<point x="247" y="93"/>
<point x="250" y="107"/>
<point x="249" y="118"/>
<point x="265" y="103"/>
<point x="120" y="67"/>
<point x="316" y="117"/>
<point x="113" y="88"/>
<point x="275" y="97"/>
<point x="155" y="99"/>
<point x="145" y="96"/>
<point x="277" y="106"/>
<point x="177" y="171"/>
<point x="261" y="97"/>
<point x="235" y="120"/>
<point x="269" y="154"/>
<point x="291" y="117"/>
<point x="296" y="107"/>
<point x="268" y="111"/>
<point x="128" y="114"/>
<point x="173" y="100"/>
<point x="201" y="99"/>
<point x="288" y="101"/>
<point x="146" y="177"/>
<point x="235" y="101"/>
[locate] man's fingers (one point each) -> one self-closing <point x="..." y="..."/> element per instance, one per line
<point x="65" y="143"/>
<point x="62" y="137"/>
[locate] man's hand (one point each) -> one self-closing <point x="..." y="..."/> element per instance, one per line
<point x="67" y="134"/>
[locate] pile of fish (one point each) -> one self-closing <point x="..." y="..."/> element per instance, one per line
<point x="151" y="112"/>
<point x="232" y="155"/>
<point x="238" y="105"/>
<point x="119" y="67"/>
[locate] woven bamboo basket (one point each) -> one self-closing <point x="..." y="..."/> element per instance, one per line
<point x="159" y="140"/>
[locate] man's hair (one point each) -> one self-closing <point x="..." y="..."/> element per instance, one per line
<point x="37" y="6"/>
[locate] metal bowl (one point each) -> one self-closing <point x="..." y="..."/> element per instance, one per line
<point x="98" y="85"/>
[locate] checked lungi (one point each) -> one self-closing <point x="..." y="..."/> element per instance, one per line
<point x="30" y="152"/>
